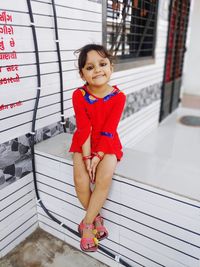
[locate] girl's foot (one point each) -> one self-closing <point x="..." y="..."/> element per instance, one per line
<point x="89" y="242"/>
<point x="101" y="230"/>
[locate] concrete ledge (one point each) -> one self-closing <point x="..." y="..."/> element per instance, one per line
<point x="136" y="165"/>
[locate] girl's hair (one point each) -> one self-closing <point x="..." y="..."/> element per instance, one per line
<point x="101" y="50"/>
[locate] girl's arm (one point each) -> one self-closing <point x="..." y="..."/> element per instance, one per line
<point x="83" y="127"/>
<point x="86" y="151"/>
<point x="86" y="147"/>
<point x="82" y="121"/>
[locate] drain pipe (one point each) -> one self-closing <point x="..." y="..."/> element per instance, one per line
<point x="116" y="257"/>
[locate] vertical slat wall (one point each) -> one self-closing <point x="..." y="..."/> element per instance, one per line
<point x="147" y="226"/>
<point x="18" y="214"/>
<point x="79" y="22"/>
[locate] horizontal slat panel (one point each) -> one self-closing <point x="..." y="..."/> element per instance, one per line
<point x="173" y="204"/>
<point x="164" y="231"/>
<point x="18" y="212"/>
<point x="17" y="223"/>
<point x="149" y="254"/>
<point x="15" y="206"/>
<point x="90" y="6"/>
<point x="6" y="5"/>
<point x="81" y="14"/>
<point x="24" y="208"/>
<point x="14" y="188"/>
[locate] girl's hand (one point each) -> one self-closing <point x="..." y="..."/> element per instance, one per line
<point x="94" y="162"/>
<point x="88" y="167"/>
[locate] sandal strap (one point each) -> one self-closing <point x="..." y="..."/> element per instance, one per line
<point x="82" y="226"/>
<point x="98" y="218"/>
<point x="101" y="228"/>
<point x="85" y="241"/>
<point x="86" y="226"/>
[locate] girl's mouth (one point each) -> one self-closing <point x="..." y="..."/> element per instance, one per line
<point x="98" y="76"/>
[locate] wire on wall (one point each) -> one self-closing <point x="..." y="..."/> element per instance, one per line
<point x="115" y="257"/>
<point x="60" y="66"/>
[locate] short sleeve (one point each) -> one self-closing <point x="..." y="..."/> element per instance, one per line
<point x="109" y="129"/>
<point x="82" y="120"/>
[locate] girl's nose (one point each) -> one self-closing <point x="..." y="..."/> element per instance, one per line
<point x="97" y="68"/>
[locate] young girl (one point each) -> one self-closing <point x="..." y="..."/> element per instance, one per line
<point x="96" y="145"/>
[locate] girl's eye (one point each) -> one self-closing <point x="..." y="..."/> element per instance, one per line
<point x="89" y="68"/>
<point x="103" y="64"/>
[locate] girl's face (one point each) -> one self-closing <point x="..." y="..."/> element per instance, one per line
<point x="97" y="69"/>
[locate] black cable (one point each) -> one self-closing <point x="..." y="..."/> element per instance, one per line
<point x="60" y="66"/>
<point x="101" y="248"/>
<point x="32" y="141"/>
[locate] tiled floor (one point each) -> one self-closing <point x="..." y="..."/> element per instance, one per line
<point x="191" y="101"/>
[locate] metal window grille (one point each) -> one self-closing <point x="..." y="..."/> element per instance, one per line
<point x="131" y="28"/>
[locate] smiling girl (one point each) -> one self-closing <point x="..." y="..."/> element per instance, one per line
<point x="98" y="108"/>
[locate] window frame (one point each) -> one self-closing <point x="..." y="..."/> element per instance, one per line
<point x="128" y="63"/>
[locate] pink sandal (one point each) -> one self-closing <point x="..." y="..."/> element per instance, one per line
<point x="88" y="244"/>
<point x="98" y="222"/>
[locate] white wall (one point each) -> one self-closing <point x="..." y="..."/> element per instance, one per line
<point x="79" y="22"/>
<point x="191" y="84"/>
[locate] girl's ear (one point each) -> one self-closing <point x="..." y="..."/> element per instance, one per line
<point x="82" y="77"/>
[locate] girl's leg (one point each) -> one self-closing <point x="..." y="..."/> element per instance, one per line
<point x="81" y="180"/>
<point x="82" y="186"/>
<point x="104" y="176"/>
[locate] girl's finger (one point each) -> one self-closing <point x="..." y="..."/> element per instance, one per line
<point x="91" y="176"/>
<point x="90" y="172"/>
<point x="93" y="171"/>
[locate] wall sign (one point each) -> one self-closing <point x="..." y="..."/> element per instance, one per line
<point x="8" y="72"/>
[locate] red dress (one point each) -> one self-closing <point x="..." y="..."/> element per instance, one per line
<point x="100" y="117"/>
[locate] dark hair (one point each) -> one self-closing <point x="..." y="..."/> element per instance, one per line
<point x="83" y="51"/>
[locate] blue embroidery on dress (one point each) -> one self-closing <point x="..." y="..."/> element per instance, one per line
<point x="107" y="134"/>
<point x="89" y="98"/>
<point x="107" y="97"/>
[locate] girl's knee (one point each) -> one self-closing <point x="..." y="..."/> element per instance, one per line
<point x="81" y="182"/>
<point x="104" y="182"/>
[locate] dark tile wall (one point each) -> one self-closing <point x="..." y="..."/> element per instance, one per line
<point x="15" y="155"/>
<point x="140" y="99"/>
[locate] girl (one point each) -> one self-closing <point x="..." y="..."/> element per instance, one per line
<point x="96" y="145"/>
